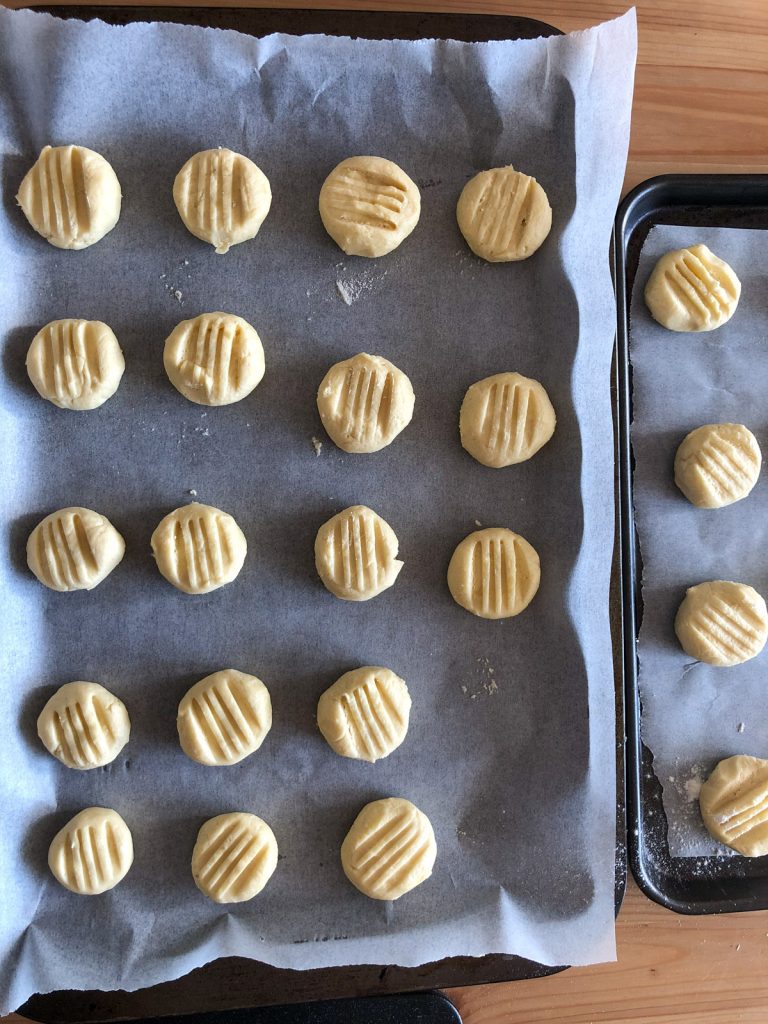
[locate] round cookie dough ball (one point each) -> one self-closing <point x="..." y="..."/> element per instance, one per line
<point x="214" y="359"/>
<point x="734" y="804"/>
<point x="722" y="623"/>
<point x="505" y="419"/>
<point x="389" y="850"/>
<point x="364" y="403"/>
<point x="356" y="554"/>
<point x="76" y="364"/>
<point x="224" y="717"/>
<point x="222" y="197"/>
<point x="717" y="464"/>
<point x="365" y="713"/>
<point x="504" y="215"/>
<point x="74" y="549"/>
<point x="199" y="548"/>
<point x="71" y="196"/>
<point x="369" y="205"/>
<point x="84" y="725"/>
<point x="92" y="853"/>
<point x="494" y="573"/>
<point x="234" y="857"/>
<point x="692" y="290"/>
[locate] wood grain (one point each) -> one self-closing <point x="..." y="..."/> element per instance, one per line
<point x="700" y="105"/>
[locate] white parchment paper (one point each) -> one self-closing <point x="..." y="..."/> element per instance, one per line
<point x="511" y="748"/>
<point x="695" y="714"/>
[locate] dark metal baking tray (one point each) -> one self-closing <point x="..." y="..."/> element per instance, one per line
<point x="688" y="885"/>
<point x="232" y="983"/>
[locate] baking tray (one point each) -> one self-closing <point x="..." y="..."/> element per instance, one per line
<point x="687" y="885"/>
<point x="233" y="983"/>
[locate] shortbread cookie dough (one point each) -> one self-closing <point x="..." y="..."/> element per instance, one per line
<point x="692" y="290"/>
<point x="215" y="359"/>
<point x="494" y="573"/>
<point x="234" y="857"/>
<point x="722" y="623"/>
<point x="389" y="850"/>
<point x="717" y="464"/>
<point x="224" y="717"/>
<point x="369" y="205"/>
<point x="84" y="725"/>
<point x="222" y="197"/>
<point x="76" y="364"/>
<point x="199" y="548"/>
<point x="356" y="554"/>
<point x="365" y="713"/>
<point x="71" y="196"/>
<point x="734" y="804"/>
<point x="504" y="215"/>
<point x="364" y="403"/>
<point x="505" y="419"/>
<point x="74" y="549"/>
<point x="92" y="853"/>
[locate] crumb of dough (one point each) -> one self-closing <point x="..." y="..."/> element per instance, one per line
<point x="478" y="523"/>
<point x="192" y="493"/>
<point x="317" y="445"/>
<point x="741" y="727"/>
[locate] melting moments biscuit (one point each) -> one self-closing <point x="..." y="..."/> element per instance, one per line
<point x="504" y="215"/>
<point x="494" y="573"/>
<point x="505" y="419"/>
<point x="76" y="364"/>
<point x="92" y="853"/>
<point x="74" y="549"/>
<point x="234" y="857"/>
<point x="734" y="804"/>
<point x="356" y="554"/>
<point x="224" y="717"/>
<point x="717" y="464"/>
<point x="84" y="725"/>
<point x="365" y="713"/>
<point x="692" y="290"/>
<point x="722" y="623"/>
<point x="214" y="359"/>
<point x="199" y="548"/>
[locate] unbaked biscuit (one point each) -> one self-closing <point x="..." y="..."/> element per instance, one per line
<point x="389" y="850"/>
<point x="356" y="554"/>
<point x="722" y="623"/>
<point x="692" y="290"/>
<point x="74" y="549"/>
<point x="199" y="548"/>
<point x="365" y="713"/>
<point x="234" y="857"/>
<point x="224" y="717"/>
<point x="505" y="419"/>
<point x="494" y="573"/>
<point x="364" y="403"/>
<point x="92" y="853"/>
<point x="84" y="725"/>
<point x="504" y="215"/>
<point x="71" y="196"/>
<point x="214" y="359"/>
<point x="222" y="197"/>
<point x="717" y="464"/>
<point x="369" y="205"/>
<point x="76" y="364"/>
<point x="734" y="804"/>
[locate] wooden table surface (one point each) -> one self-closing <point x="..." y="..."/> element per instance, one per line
<point x="701" y="104"/>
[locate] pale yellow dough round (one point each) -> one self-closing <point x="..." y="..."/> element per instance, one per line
<point x="224" y="717"/>
<point x="494" y="573"/>
<point x="234" y="857"/>
<point x="365" y="713"/>
<point x="214" y="359"/>
<point x="389" y="850"/>
<point x="222" y="197"/>
<point x="364" y="403"/>
<point x="76" y="364"/>
<point x="505" y="419"/>
<point x="717" y="464"/>
<point x="734" y="804"/>
<point x="199" y="548"/>
<point x="92" y="853"/>
<point x="369" y="205"/>
<point x="356" y="554"/>
<point x="504" y="215"/>
<point x="691" y="289"/>
<point x="71" y="196"/>
<point x="722" y="623"/>
<point x="84" y="725"/>
<point x="74" y="549"/>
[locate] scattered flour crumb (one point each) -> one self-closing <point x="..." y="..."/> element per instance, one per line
<point x="177" y="295"/>
<point x="193" y="492"/>
<point x="317" y="444"/>
<point x="693" y="788"/>
<point x="741" y="727"/>
<point x="350" y="289"/>
<point x="463" y="688"/>
<point x="478" y="523"/>
<point x="162" y="277"/>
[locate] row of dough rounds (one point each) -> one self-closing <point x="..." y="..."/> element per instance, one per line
<point x="493" y="573"/>
<point x="389" y="850"/>
<point x="226" y="717"/>
<point x="368" y="205"/>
